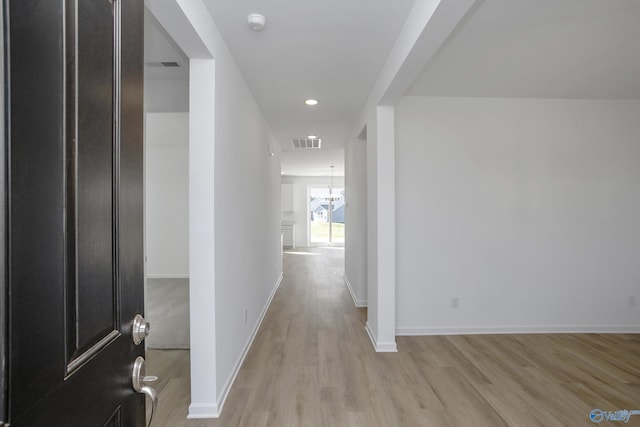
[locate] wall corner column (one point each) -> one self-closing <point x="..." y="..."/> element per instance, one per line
<point x="201" y="239"/>
<point x="381" y="231"/>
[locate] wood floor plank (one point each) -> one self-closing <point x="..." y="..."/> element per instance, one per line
<point x="312" y="365"/>
<point x="518" y="411"/>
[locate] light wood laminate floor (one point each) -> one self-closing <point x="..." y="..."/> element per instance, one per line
<point x="312" y="364"/>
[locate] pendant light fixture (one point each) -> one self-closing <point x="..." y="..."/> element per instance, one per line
<point x="331" y="189"/>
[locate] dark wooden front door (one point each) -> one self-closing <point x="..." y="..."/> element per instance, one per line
<point x="74" y="204"/>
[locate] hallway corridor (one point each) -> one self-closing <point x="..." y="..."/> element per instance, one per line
<point x="312" y="364"/>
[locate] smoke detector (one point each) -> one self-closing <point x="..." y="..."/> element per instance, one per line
<point x="256" y="21"/>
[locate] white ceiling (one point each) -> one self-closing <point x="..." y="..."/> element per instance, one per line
<point x="540" y="49"/>
<point x="160" y="47"/>
<point x="331" y="50"/>
<point x="334" y="50"/>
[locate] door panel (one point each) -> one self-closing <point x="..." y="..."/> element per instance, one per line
<point x="116" y="419"/>
<point x="36" y="186"/>
<point x="92" y="144"/>
<point x="75" y="211"/>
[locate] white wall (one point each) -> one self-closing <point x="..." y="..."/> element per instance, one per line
<point x="166" y="95"/>
<point x="300" y="203"/>
<point x="167" y="194"/>
<point x="247" y="215"/>
<point x="235" y="253"/>
<point x="355" y="257"/>
<point x="417" y="43"/>
<point x="202" y="266"/>
<point x="381" y="227"/>
<point x="526" y="210"/>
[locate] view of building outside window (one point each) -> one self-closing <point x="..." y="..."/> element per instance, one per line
<point x="326" y="215"/>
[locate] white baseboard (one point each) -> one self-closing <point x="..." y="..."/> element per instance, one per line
<point x="236" y="368"/>
<point x="380" y="347"/>
<point x="474" y="330"/>
<point x="167" y="276"/>
<point x="203" y="410"/>
<point x="356" y="301"/>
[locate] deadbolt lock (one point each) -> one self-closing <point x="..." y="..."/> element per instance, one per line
<point x="140" y="329"/>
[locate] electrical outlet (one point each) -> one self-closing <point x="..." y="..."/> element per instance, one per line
<point x="245" y="315"/>
<point x="632" y="302"/>
<point x="455" y="302"/>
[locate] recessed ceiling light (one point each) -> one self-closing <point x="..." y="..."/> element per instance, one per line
<point x="312" y="137"/>
<point x="311" y="102"/>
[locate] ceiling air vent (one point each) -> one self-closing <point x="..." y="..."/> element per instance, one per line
<point x="163" y="64"/>
<point x="306" y="143"/>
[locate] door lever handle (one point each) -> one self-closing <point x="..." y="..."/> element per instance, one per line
<point x="139" y="380"/>
<point x="153" y="395"/>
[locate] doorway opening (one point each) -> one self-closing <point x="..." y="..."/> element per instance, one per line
<point x="166" y="217"/>
<point x="326" y="206"/>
